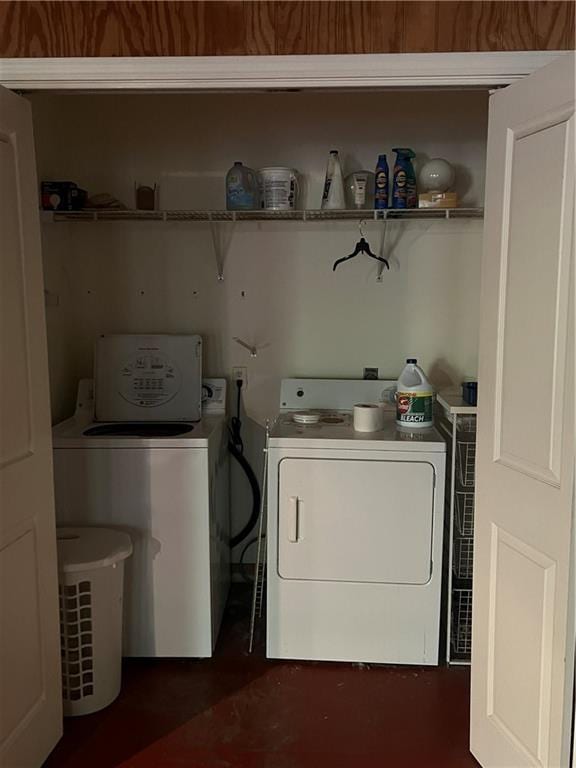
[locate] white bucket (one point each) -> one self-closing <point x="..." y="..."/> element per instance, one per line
<point x="278" y="188"/>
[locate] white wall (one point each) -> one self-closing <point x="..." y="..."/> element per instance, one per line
<point x="279" y="290"/>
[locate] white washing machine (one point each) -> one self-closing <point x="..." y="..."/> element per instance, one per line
<point x="165" y="483"/>
<point x="355" y="528"/>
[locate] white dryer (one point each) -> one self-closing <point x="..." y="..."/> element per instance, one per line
<point x="166" y="484"/>
<point x="355" y="528"/>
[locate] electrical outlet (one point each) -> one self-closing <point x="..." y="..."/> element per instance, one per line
<point x="240" y="373"/>
<point x="370" y="373"/>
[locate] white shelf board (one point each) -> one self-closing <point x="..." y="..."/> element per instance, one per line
<point x="247" y="73"/>
<point x="417" y="214"/>
<point x="452" y="402"/>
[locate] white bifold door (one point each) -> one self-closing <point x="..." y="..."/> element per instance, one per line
<point x="523" y="634"/>
<point x="30" y="698"/>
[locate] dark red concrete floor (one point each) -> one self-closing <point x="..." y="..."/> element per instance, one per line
<point x="242" y="711"/>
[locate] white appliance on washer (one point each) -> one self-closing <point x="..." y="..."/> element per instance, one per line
<point x="164" y="482"/>
<point x="355" y="528"/>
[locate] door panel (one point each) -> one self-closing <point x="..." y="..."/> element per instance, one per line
<point x="30" y="700"/>
<point x="522" y="576"/>
<point x="351" y="520"/>
<point x="523" y="640"/>
<point x="21" y="689"/>
<point x="15" y="375"/>
<point x="534" y="274"/>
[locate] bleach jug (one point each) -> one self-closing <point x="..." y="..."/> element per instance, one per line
<point x="414" y="397"/>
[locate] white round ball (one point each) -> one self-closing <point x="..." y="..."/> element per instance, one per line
<point x="436" y="175"/>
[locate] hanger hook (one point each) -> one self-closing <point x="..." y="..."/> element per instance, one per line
<point x="360" y="225"/>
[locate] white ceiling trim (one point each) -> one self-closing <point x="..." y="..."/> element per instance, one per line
<point x="201" y="73"/>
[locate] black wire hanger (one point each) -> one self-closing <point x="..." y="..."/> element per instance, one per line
<point x="362" y="246"/>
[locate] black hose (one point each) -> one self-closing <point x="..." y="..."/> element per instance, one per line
<point x="236" y="448"/>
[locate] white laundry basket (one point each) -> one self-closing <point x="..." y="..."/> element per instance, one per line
<point x="91" y="576"/>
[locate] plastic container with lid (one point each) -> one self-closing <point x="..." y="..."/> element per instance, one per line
<point x="278" y="187"/>
<point x="91" y="576"/>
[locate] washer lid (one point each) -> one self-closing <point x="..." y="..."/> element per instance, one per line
<point x="85" y="549"/>
<point x="155" y="377"/>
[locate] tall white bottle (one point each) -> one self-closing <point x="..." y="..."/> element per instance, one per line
<point x="334" y="197"/>
<point x="414" y="397"/>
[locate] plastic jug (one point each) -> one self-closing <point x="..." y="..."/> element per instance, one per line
<point x="241" y="188"/>
<point x="414" y="397"/>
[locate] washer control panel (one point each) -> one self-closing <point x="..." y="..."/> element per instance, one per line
<point x="149" y="380"/>
<point x="156" y="377"/>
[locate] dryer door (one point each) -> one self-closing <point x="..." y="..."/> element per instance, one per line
<point x="355" y="520"/>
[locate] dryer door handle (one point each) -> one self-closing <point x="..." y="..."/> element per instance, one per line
<point x="294" y="519"/>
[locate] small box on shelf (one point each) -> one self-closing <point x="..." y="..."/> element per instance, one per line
<point x="437" y="200"/>
<point x="62" y="196"/>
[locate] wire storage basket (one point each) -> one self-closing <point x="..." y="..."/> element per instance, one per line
<point x="466" y="463"/>
<point x="465" y="513"/>
<point x="462" y="621"/>
<point x="463" y="557"/>
<point x="466" y="424"/>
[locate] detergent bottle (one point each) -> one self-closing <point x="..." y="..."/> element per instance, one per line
<point x="381" y="183"/>
<point x="414" y="397"/>
<point x="333" y="197"/>
<point x="404" y="193"/>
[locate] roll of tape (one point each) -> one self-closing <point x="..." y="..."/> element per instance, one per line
<point x="368" y="417"/>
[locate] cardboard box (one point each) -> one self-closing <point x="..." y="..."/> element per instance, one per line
<point x="437" y="200"/>
<point x="62" y="196"/>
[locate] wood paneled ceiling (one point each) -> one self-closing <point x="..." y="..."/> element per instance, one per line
<point x="38" y="29"/>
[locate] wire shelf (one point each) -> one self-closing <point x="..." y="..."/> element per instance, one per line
<point x="463" y="558"/>
<point x="467" y="463"/>
<point x="465" y="513"/>
<point x="94" y="215"/>
<point x="461" y="633"/>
